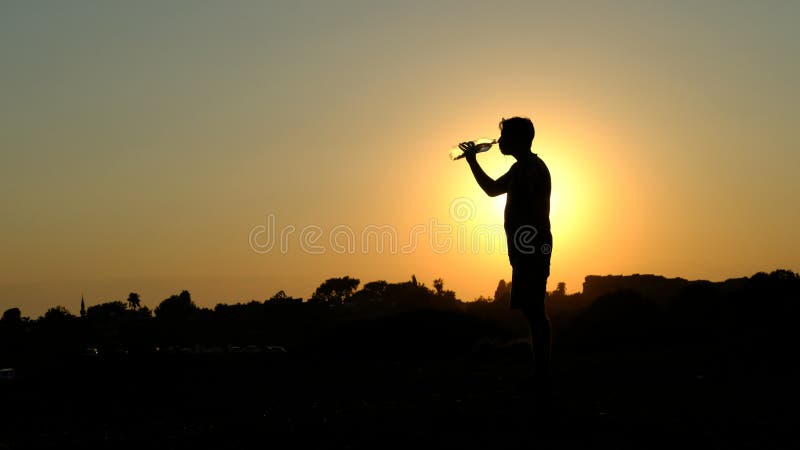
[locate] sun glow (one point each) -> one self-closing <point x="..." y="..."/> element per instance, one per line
<point x="567" y="198"/>
<point x="567" y="212"/>
<point x="499" y="206"/>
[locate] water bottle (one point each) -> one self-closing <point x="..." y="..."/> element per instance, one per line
<point x="481" y="145"/>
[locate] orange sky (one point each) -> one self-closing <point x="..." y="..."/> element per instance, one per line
<point x="142" y="144"/>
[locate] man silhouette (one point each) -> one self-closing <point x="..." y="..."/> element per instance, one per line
<point x="527" y="226"/>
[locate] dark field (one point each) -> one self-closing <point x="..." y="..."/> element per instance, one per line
<point x="639" y="362"/>
<point x="623" y="399"/>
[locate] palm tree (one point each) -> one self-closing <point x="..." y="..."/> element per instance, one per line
<point x="134" y="301"/>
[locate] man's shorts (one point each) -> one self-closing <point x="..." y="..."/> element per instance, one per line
<point x="529" y="282"/>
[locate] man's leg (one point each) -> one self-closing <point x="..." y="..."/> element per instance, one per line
<point x="540" y="335"/>
<point x="528" y="293"/>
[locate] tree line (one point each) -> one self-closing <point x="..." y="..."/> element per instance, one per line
<point x="754" y="314"/>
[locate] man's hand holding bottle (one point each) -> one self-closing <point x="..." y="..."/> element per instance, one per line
<point x="469" y="150"/>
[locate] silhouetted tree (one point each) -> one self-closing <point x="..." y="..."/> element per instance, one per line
<point x="57" y="313"/>
<point x="409" y="294"/>
<point x="335" y="290"/>
<point x="281" y="298"/>
<point x="559" y="294"/>
<point x="176" y="307"/>
<point x="502" y="295"/>
<point x="134" y="301"/>
<point x="109" y="311"/>
<point x="280" y="295"/>
<point x="438" y="286"/>
<point x="784" y="275"/>
<point x="12" y="316"/>
<point x="376" y="287"/>
<point x="371" y="294"/>
<point x="143" y="313"/>
<point x="443" y="296"/>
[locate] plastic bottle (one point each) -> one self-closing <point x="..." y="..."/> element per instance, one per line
<point x="481" y="145"/>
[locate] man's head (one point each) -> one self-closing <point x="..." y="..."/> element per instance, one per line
<point x="516" y="135"/>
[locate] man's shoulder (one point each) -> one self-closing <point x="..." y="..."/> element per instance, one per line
<point x="539" y="164"/>
<point x="531" y="166"/>
<point x="531" y="163"/>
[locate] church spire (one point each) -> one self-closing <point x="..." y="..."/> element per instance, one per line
<point x="83" y="307"/>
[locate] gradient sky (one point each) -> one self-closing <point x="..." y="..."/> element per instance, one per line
<point x="142" y="142"/>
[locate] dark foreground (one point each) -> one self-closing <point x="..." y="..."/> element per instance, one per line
<point x="625" y="399"/>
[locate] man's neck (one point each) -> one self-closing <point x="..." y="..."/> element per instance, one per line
<point x="523" y="154"/>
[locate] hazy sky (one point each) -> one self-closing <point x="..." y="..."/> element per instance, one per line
<point x="143" y="144"/>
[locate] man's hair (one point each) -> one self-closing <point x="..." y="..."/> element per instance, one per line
<point x="519" y="128"/>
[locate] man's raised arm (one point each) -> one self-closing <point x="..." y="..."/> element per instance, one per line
<point x="493" y="188"/>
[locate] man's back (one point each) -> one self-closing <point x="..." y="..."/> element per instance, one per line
<point x="528" y="203"/>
